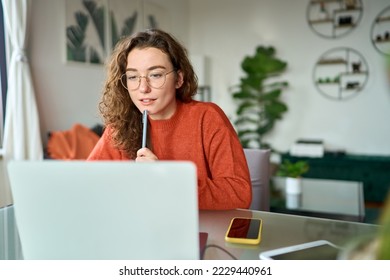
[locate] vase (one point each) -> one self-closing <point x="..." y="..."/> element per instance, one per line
<point x="293" y="193"/>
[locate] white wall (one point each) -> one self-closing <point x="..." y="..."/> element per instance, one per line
<point x="225" y="31"/>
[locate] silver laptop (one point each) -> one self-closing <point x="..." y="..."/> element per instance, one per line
<point x="106" y="209"/>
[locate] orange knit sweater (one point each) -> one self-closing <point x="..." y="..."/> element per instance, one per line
<point x="199" y="132"/>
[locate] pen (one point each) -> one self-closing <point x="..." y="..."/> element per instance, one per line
<point x="144" y="127"/>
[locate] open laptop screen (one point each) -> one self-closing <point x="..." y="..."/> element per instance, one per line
<point x="106" y="209"/>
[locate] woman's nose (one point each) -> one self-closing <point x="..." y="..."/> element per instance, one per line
<point x="144" y="85"/>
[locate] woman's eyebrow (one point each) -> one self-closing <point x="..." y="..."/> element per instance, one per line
<point x="149" y="69"/>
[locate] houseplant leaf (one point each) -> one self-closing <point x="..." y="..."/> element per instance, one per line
<point x="293" y="169"/>
<point x="259" y="104"/>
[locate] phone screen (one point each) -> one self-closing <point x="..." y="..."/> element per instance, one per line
<point x="244" y="228"/>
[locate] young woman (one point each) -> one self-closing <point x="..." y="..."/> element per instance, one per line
<point x="151" y="71"/>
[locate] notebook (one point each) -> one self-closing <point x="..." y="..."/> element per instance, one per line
<point x="106" y="209"/>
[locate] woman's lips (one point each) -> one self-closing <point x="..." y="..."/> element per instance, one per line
<point x="147" y="101"/>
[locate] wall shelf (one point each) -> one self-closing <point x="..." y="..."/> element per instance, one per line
<point x="382" y="41"/>
<point x="380" y="32"/>
<point x="332" y="61"/>
<point x="319" y="21"/>
<point x="323" y="1"/>
<point x="345" y="26"/>
<point x="382" y="19"/>
<point x="334" y="18"/>
<point x="340" y="73"/>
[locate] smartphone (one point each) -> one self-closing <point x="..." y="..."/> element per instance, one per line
<point x="315" y="250"/>
<point x="244" y="231"/>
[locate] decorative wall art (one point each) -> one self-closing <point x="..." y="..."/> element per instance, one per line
<point x="125" y="17"/>
<point x="334" y="18"/>
<point x="380" y="32"/>
<point x="341" y="73"/>
<point x="93" y="27"/>
<point x="86" y="31"/>
<point x="154" y="16"/>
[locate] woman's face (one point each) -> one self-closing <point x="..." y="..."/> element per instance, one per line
<point x="152" y="94"/>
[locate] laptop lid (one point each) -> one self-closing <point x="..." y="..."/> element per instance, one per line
<point x="106" y="209"/>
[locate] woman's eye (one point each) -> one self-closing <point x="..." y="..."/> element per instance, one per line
<point x="132" y="77"/>
<point x="155" y="75"/>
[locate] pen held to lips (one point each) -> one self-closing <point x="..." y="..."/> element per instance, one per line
<point x="144" y="127"/>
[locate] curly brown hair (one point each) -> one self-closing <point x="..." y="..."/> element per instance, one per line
<point x="116" y="107"/>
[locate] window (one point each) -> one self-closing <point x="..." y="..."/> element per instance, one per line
<point x="3" y="73"/>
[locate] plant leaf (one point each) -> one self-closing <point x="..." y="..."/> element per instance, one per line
<point x="242" y="95"/>
<point x="260" y="104"/>
<point x="129" y="24"/>
<point x="244" y="106"/>
<point x="97" y="15"/>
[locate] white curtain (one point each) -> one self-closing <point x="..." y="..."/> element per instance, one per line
<point x="22" y="139"/>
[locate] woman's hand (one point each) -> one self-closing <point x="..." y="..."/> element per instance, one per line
<point x="144" y="155"/>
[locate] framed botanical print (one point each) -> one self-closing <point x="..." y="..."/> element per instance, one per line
<point x="93" y="27"/>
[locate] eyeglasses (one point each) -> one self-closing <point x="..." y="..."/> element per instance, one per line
<point x="155" y="79"/>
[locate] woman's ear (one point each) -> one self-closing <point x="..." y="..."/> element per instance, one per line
<point x="179" y="79"/>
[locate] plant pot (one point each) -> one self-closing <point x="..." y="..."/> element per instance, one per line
<point x="293" y="193"/>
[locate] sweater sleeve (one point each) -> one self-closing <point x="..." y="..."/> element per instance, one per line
<point x="227" y="183"/>
<point x="105" y="149"/>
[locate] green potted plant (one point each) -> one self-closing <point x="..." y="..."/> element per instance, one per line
<point x="292" y="169"/>
<point x="293" y="172"/>
<point x="259" y="99"/>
